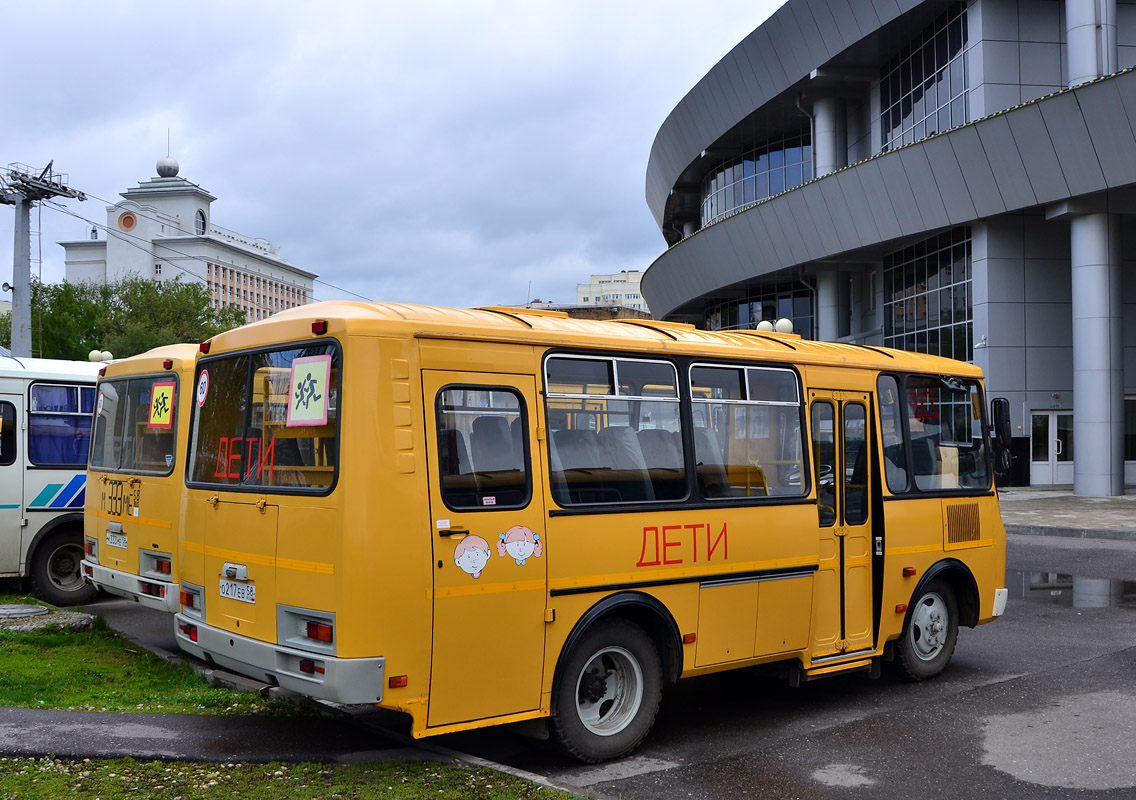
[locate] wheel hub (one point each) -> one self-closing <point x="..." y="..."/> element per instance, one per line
<point x="593" y="687"/>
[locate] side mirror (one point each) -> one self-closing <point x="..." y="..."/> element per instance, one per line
<point x="1000" y="417"/>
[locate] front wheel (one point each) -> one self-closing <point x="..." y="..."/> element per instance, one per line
<point x="54" y="571"/>
<point x="608" y="692"/>
<point x="930" y="631"/>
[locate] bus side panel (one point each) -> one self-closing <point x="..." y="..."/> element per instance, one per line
<point x="12" y="489"/>
<point x="914" y="538"/>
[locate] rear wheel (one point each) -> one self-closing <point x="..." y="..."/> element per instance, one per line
<point x="54" y="571"/>
<point x="930" y="631"/>
<point x="608" y="692"/>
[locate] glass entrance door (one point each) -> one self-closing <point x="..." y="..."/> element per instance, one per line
<point x="1051" y="447"/>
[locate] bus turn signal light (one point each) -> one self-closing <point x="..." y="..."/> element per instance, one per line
<point x="164" y="566"/>
<point x="689" y="638"/>
<point x="397" y="682"/>
<point x="901" y="608"/>
<point x="320" y="631"/>
<point x="188" y="599"/>
<point x="909" y="572"/>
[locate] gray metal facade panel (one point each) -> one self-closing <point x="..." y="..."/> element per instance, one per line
<point x="980" y="181"/>
<point x="846" y="21"/>
<point x="876" y="204"/>
<point x="747" y="87"/>
<point x="807" y="25"/>
<point x="1006" y="162"/>
<point x="719" y="102"/>
<point x="1104" y="107"/>
<point x="948" y="177"/>
<point x="827" y="27"/>
<point x="1038" y="155"/>
<point x="898" y="187"/>
<point x="836" y="207"/>
<point x="762" y="45"/>
<point x="830" y="214"/>
<point x="765" y="84"/>
<point x="766" y="218"/>
<point x="774" y="29"/>
<point x="932" y="210"/>
<point x="886" y="10"/>
<point x="1072" y="143"/>
<point x="794" y="239"/>
<point x="815" y="244"/>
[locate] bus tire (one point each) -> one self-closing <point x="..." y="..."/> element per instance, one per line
<point x="54" y="572"/>
<point x="608" y="692"/>
<point x="930" y="631"/>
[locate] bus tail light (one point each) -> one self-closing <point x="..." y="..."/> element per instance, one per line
<point x="164" y="566"/>
<point x="188" y="631"/>
<point x="310" y="667"/>
<point x="188" y="599"/>
<point x="91" y="548"/>
<point x="88" y="570"/>
<point x="320" y="631"/>
<point x="152" y="589"/>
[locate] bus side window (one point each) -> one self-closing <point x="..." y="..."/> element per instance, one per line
<point x="7" y="434"/>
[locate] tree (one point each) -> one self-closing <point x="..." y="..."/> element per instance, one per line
<point x="126" y="317"/>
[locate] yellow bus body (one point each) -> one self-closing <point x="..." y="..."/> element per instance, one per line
<point x="463" y="637"/>
<point x="135" y="479"/>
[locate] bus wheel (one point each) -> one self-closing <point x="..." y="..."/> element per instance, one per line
<point x="54" y="571"/>
<point x="608" y="692"/>
<point x="929" y="633"/>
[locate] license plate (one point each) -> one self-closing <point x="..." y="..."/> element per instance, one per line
<point x="117" y="540"/>
<point x="235" y="590"/>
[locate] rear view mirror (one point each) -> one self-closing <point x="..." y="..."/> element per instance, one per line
<point x="1000" y="419"/>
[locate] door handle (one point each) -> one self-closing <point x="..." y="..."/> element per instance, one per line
<point x="1057" y="450"/>
<point x="453" y="532"/>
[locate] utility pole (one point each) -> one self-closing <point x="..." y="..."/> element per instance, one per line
<point x="20" y="186"/>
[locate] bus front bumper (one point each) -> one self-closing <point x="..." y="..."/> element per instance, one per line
<point x="1000" y="597"/>
<point x="160" y="595"/>
<point x="348" y="681"/>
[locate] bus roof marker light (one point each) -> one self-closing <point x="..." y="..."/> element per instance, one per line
<point x="168" y="364"/>
<point x="103" y="372"/>
<point x="204" y="346"/>
<point x="319" y="327"/>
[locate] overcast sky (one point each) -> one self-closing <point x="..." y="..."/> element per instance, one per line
<point x="449" y="153"/>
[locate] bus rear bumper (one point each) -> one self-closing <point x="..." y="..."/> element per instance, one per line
<point x="159" y="595"/>
<point x="340" y="680"/>
<point x="1000" y="596"/>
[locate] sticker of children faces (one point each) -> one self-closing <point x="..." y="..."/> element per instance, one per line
<point x="472" y="553"/>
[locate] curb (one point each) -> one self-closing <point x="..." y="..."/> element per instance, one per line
<point x="1115" y="534"/>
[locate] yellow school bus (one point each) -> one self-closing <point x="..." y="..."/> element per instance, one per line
<point x="134" y="479"/>
<point x="502" y="515"/>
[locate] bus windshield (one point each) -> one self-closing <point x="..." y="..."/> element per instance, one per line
<point x="135" y="420"/>
<point x="267" y="419"/>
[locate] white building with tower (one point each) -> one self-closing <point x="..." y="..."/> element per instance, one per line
<point x="618" y="289"/>
<point x="163" y="228"/>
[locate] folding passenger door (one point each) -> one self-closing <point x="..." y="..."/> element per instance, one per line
<point x="487" y="527"/>
<point x="11" y="481"/>
<point x="841" y="456"/>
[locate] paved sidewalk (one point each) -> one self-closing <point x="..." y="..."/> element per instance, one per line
<point x="1056" y="511"/>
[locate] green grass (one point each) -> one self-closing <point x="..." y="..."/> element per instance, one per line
<point x="127" y="778"/>
<point x="100" y="671"/>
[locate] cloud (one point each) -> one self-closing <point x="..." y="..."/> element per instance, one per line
<point x="435" y="152"/>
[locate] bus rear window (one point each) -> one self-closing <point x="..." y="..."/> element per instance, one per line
<point x="267" y="419"/>
<point x="135" y="421"/>
<point x="59" y="425"/>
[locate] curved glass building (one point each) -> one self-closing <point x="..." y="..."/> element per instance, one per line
<point x="955" y="178"/>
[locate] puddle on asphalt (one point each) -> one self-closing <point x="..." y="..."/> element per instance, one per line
<point x="1070" y="591"/>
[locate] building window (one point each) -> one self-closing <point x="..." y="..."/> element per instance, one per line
<point x="199" y="223"/>
<point x="923" y="87"/>
<point x="766" y="170"/>
<point x="768" y="303"/>
<point x="157" y="269"/>
<point x="928" y="302"/>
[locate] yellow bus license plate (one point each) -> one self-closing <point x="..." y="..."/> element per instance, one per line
<point x="235" y="590"/>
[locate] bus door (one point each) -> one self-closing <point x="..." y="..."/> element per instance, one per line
<point x="487" y="528"/>
<point x="11" y="482"/>
<point x="842" y="621"/>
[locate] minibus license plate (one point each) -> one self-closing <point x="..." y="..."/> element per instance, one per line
<point x="116" y="540"/>
<point x="234" y="590"/>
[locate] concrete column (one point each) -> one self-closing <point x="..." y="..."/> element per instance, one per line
<point x="828" y="306"/>
<point x="1090" y="39"/>
<point x="830" y="132"/>
<point x="22" y="281"/>
<point x="1098" y="363"/>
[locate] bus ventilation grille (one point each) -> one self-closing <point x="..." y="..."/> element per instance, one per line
<point x="962" y="523"/>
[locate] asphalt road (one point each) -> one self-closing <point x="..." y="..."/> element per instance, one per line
<point x="1041" y="703"/>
